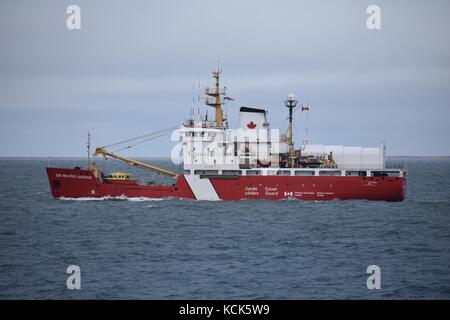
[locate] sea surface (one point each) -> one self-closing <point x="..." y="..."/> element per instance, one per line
<point x="184" y="249"/>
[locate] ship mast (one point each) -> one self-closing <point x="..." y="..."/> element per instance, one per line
<point x="291" y="103"/>
<point x="88" y="145"/>
<point x="216" y="102"/>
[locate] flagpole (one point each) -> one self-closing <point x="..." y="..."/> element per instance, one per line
<point x="88" y="145"/>
<point x="305" y="139"/>
<point x="307" y="123"/>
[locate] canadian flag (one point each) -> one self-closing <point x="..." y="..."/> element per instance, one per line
<point x="305" y="108"/>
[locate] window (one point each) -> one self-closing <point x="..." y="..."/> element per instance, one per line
<point x="206" y="172"/>
<point x="232" y="172"/>
<point x="356" y="173"/>
<point x="304" y="173"/>
<point x="386" y="173"/>
<point x="283" y="173"/>
<point x="329" y="173"/>
<point x="253" y="172"/>
<point x="187" y="171"/>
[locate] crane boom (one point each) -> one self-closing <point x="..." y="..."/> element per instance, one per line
<point x="106" y="153"/>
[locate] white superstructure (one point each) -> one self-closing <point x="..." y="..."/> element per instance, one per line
<point x="211" y="145"/>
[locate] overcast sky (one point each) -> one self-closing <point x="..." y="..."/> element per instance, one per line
<point x="130" y="70"/>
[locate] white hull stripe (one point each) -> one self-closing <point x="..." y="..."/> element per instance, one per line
<point x="202" y="188"/>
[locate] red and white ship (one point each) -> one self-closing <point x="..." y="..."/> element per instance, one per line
<point x="252" y="162"/>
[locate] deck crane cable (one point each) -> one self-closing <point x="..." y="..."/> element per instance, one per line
<point x="142" y="141"/>
<point x="162" y="131"/>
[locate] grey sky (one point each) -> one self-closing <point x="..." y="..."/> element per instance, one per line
<point x="131" y="68"/>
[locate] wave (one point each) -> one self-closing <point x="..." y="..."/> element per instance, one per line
<point x="112" y="198"/>
<point x="147" y="199"/>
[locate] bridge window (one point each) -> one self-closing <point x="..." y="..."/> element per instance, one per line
<point x="253" y="172"/>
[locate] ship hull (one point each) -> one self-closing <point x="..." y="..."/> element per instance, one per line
<point x="80" y="183"/>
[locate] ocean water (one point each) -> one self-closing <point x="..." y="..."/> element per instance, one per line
<point x="183" y="249"/>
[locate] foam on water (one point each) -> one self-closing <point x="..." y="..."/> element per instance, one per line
<point x="112" y="198"/>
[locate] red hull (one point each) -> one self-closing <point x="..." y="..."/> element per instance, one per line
<point x="79" y="183"/>
<point x="311" y="188"/>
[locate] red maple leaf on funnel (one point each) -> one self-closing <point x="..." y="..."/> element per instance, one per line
<point x="251" y="125"/>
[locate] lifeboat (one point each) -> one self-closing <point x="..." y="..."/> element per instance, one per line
<point x="119" y="178"/>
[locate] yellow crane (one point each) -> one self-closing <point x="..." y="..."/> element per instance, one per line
<point x="106" y="154"/>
